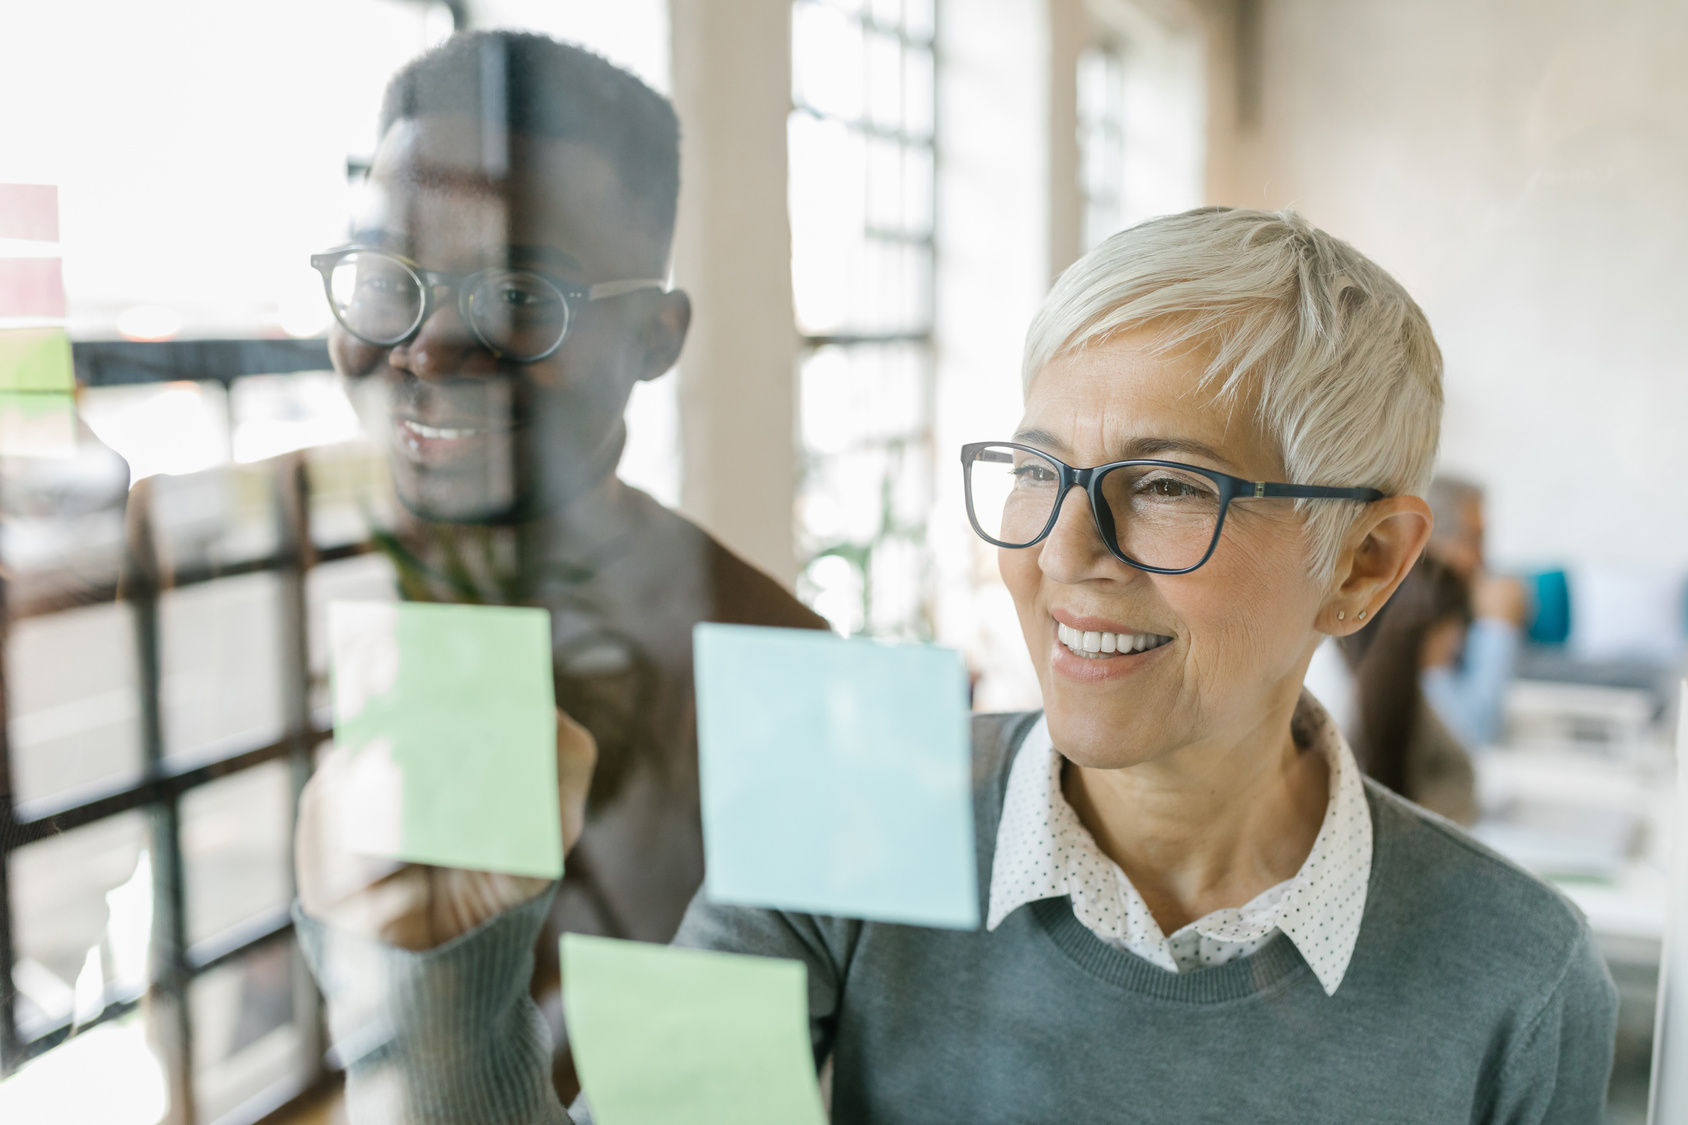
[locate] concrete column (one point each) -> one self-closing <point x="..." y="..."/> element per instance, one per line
<point x="737" y="394"/>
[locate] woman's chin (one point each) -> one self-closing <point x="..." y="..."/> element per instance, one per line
<point x="1091" y="741"/>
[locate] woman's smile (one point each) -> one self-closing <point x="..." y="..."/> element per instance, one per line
<point x="1091" y="649"/>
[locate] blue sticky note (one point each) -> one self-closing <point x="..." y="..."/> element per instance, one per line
<point x="836" y="776"/>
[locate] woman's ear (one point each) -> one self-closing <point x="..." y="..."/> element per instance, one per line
<point x="1377" y="552"/>
<point x="663" y="333"/>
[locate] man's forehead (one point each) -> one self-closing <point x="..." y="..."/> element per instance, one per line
<point x="452" y="179"/>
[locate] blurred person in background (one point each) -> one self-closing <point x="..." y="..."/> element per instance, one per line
<point x="500" y="296"/>
<point x="1467" y="677"/>
<point x="1398" y="739"/>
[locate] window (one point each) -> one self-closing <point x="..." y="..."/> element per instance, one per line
<point x="151" y="748"/>
<point x="1101" y="140"/>
<point x="863" y="162"/>
<point x="1141" y="109"/>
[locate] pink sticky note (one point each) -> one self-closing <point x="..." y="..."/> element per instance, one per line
<point x="29" y="211"/>
<point x="31" y="287"/>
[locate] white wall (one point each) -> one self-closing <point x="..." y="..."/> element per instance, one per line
<point x="1520" y="167"/>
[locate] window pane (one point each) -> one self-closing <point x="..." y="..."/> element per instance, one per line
<point x="842" y="497"/>
<point x="918" y="184"/>
<point x="896" y="296"/>
<point x="127" y="1087"/>
<point x="222" y="664"/>
<point x="826" y="61"/>
<point x="885" y="80"/>
<point x="234" y="847"/>
<point x="919" y="93"/>
<point x="862" y="394"/>
<point x="884" y="185"/>
<point x="360" y="578"/>
<point x="351" y="492"/>
<point x="245" y="1036"/>
<point x="75" y="702"/>
<point x="275" y="414"/>
<point x="896" y="575"/>
<point x="918" y="18"/>
<point x="827" y="216"/>
<point x="82" y="907"/>
<point x="173" y="428"/>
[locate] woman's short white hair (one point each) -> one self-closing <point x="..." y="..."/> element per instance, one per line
<point x="1338" y="360"/>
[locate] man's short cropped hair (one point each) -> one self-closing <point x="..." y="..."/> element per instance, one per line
<point x="533" y="85"/>
<point x="1339" y="362"/>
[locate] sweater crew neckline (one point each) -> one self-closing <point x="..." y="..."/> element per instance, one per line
<point x="1241" y="979"/>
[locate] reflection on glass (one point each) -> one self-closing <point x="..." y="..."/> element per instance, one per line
<point x="246" y="1034"/>
<point x="68" y="731"/>
<point x="82" y="918"/>
<point x="235" y="834"/>
<point x="222" y="664"/>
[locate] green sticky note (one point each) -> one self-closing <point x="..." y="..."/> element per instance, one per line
<point x="448" y="714"/>
<point x="33" y="424"/>
<point x="35" y="359"/>
<point x="661" y="1034"/>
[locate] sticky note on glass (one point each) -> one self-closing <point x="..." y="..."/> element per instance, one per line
<point x="35" y="359"/>
<point x="31" y="287"/>
<point x="448" y="717"/>
<point x="37" y="425"/>
<point x="835" y="776"/>
<point x="29" y="211"/>
<point x="661" y="1035"/>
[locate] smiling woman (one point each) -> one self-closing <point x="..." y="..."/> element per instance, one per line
<point x="1198" y="908"/>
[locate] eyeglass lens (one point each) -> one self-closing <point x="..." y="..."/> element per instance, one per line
<point x="1163" y="517"/>
<point x="380" y="299"/>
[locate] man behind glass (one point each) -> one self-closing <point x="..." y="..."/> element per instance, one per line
<point x="498" y="300"/>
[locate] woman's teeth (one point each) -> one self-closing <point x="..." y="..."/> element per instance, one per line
<point x="1106" y="644"/>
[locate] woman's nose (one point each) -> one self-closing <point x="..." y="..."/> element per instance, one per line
<point x="1073" y="550"/>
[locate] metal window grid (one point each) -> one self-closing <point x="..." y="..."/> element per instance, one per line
<point x="921" y="335"/>
<point x="1102" y="138"/>
<point x="161" y="785"/>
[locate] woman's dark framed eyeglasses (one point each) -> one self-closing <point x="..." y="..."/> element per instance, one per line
<point x="519" y="315"/>
<point x="1160" y="516"/>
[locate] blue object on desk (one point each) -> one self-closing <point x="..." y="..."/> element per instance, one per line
<point x="1551" y="622"/>
<point x="836" y="776"/>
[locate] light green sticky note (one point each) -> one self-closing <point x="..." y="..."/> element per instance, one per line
<point x="35" y="359"/>
<point x="34" y="424"/>
<point x="661" y="1034"/>
<point x="449" y="715"/>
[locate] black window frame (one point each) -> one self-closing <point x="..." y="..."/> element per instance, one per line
<point x="161" y="785"/>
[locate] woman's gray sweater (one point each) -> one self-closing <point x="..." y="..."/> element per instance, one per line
<point x="1474" y="995"/>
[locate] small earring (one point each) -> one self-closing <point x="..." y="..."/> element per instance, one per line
<point x="1362" y="615"/>
<point x="1340" y="615"/>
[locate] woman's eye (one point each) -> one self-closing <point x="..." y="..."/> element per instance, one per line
<point x="1173" y="488"/>
<point x="1033" y="473"/>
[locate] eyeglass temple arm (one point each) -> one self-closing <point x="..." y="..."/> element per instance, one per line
<point x="1257" y="489"/>
<point x="617" y="288"/>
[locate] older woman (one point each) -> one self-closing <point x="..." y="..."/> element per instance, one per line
<point x="1197" y="908"/>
